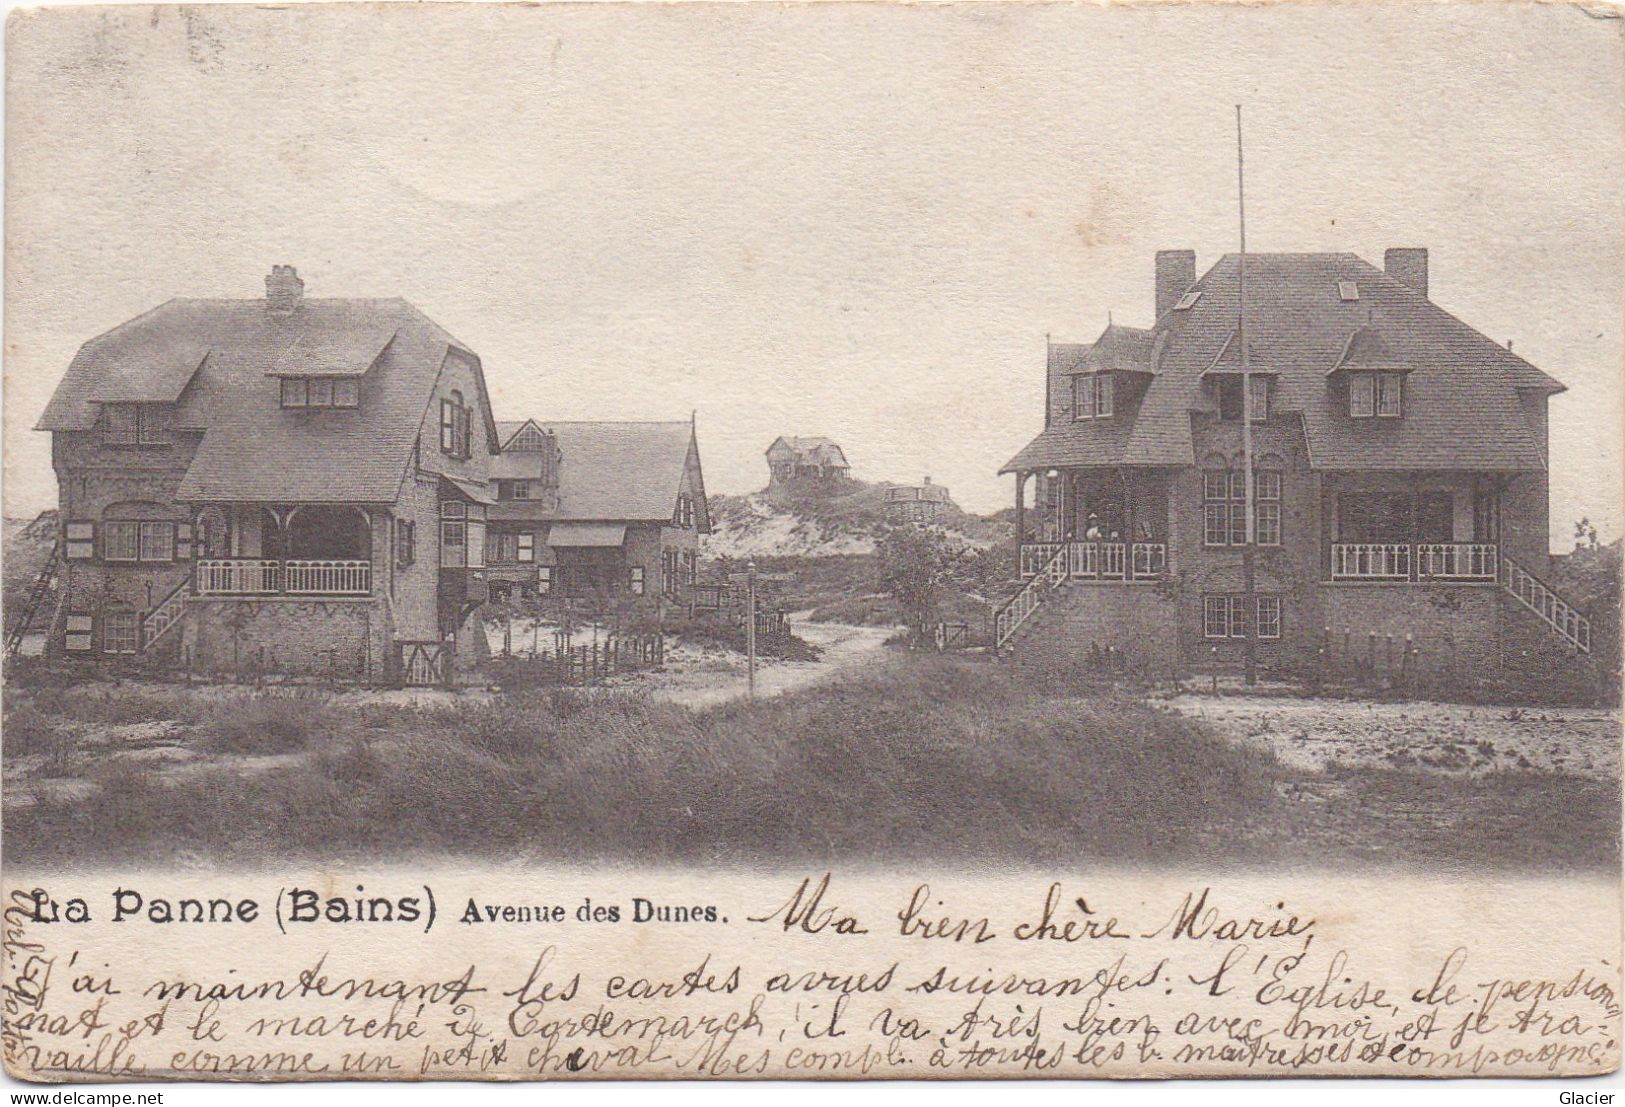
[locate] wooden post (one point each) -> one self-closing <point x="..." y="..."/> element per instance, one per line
<point x="1021" y="516"/>
<point x="750" y="629"/>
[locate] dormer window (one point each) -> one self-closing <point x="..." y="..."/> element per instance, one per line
<point x="528" y="439"/>
<point x="320" y="392"/>
<point x="1187" y="301"/>
<point x="1379" y="395"/>
<point x="1230" y="398"/>
<point x="1093" y="396"/>
<point x="137" y="424"/>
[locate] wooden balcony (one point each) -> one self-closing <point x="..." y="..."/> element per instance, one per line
<point x="1408" y="562"/>
<point x="259" y="576"/>
<point x="1098" y="560"/>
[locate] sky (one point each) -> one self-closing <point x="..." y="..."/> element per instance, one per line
<point x="858" y="221"/>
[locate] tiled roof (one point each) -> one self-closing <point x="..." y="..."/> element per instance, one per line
<point x="252" y="449"/>
<point x="1120" y="349"/>
<point x="619" y="471"/>
<point x="1461" y="401"/>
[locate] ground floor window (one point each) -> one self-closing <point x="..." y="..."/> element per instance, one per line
<point x="635" y="579"/>
<point x="120" y="631"/>
<point x="1225" y="616"/>
<point x="544" y="580"/>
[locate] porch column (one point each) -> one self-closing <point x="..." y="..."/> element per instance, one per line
<point x="1021" y="516"/>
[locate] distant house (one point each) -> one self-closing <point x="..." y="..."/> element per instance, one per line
<point x="599" y="512"/>
<point x="915" y="503"/>
<point x="299" y="483"/>
<point x="1399" y="476"/>
<point x="800" y="461"/>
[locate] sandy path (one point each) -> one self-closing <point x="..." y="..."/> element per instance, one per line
<point x="722" y="676"/>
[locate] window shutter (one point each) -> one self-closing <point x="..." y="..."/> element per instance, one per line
<point x="81" y="631"/>
<point x="183" y="541"/>
<point x="80" y="541"/>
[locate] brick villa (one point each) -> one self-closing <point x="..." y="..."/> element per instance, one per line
<point x="306" y="484"/>
<point x="1400" y="462"/>
<point x="607" y="512"/>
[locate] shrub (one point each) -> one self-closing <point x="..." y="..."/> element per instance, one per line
<point x="265" y="724"/>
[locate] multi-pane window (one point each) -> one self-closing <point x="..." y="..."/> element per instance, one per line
<point x="157" y="541"/>
<point x="1267" y="503"/>
<point x="138" y="540"/>
<point x="1092" y="396"/>
<point x="515" y="546"/>
<point x="635" y="579"/>
<point x="120" y="631"/>
<point x="137" y="424"/>
<point x="1224" y="507"/>
<point x="406" y="542"/>
<point x="455" y="423"/>
<point x="1216" y="508"/>
<point x="544" y="579"/>
<point x="1389" y="389"/>
<point x="320" y="392"/>
<point x="1376" y="394"/>
<point x="121" y="541"/>
<point x="528" y="439"/>
<point x="1269" y="616"/>
<point x="1362" y="395"/>
<point x="1225" y="616"/>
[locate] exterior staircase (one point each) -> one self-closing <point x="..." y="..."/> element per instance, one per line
<point x="1560" y="617"/>
<point x="1018" y="611"/>
<point x="165" y="617"/>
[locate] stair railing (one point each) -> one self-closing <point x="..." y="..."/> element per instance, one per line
<point x="1559" y="615"/>
<point x="1008" y="618"/>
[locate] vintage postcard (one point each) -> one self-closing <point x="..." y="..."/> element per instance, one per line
<point x="829" y="541"/>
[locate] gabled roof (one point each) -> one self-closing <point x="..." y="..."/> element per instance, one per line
<point x="252" y="449"/>
<point x="1368" y="350"/>
<point x="814" y="449"/>
<point x="610" y="471"/>
<point x="1120" y="349"/>
<point x="1461" y="403"/>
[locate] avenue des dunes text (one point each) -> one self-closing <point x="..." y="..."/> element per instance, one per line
<point x="813" y="975"/>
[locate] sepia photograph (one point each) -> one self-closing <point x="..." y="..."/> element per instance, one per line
<point x="818" y="487"/>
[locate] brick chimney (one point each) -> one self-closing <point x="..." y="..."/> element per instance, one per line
<point x="283" y="290"/>
<point x="1176" y="272"/>
<point x="1409" y="266"/>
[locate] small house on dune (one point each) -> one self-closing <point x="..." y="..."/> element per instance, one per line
<point x="794" y="462"/>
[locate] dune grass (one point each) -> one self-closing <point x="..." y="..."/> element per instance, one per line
<point x="927" y="759"/>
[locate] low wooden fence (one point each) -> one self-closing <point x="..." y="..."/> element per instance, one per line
<point x="566" y="663"/>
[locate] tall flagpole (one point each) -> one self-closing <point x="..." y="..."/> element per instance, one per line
<point x="1249" y="614"/>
